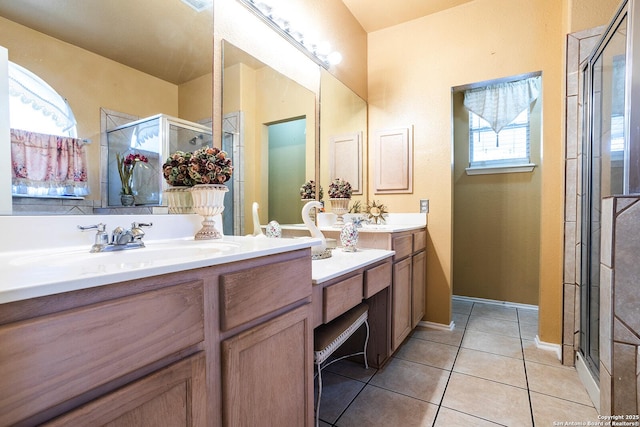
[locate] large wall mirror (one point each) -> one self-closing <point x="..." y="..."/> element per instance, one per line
<point x="343" y="137"/>
<point x="115" y="61"/>
<point x="271" y="118"/>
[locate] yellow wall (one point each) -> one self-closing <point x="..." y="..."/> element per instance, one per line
<point x="412" y="68"/>
<point x="586" y="14"/>
<point x="496" y="222"/>
<point x="90" y="82"/>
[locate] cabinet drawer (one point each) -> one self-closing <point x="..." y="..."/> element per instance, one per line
<point x="419" y="240"/>
<point x="341" y="297"/>
<point x="376" y="279"/>
<point x="52" y="359"/>
<point x="403" y="245"/>
<point x="249" y="294"/>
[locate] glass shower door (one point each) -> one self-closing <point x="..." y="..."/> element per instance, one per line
<point x="605" y="167"/>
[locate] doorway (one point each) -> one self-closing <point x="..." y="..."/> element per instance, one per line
<point x="287" y="148"/>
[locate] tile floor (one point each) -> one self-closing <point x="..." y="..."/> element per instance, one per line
<point x="486" y="372"/>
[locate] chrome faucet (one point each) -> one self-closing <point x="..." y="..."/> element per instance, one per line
<point x="120" y="238"/>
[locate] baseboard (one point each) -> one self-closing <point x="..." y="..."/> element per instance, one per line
<point x="556" y="348"/>
<point x="495" y="302"/>
<point x="590" y="384"/>
<point x="433" y="325"/>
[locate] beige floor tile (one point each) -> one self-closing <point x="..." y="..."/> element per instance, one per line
<point x="528" y="331"/>
<point x="528" y="315"/>
<point x="491" y="343"/>
<point x="337" y="393"/>
<point x="449" y="418"/>
<point x="461" y="306"/>
<point x="439" y="335"/>
<point x="494" y="326"/>
<point x="557" y="381"/>
<point x="460" y="320"/>
<point x="495" y="312"/>
<point x="412" y="379"/>
<point x="428" y="353"/>
<point x="489" y="400"/>
<point x="535" y="354"/>
<point x="378" y="407"/>
<point x="506" y="370"/>
<point x="547" y="410"/>
<point x="350" y="369"/>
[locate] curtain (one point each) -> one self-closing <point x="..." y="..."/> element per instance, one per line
<point x="501" y="103"/>
<point x="48" y="165"/>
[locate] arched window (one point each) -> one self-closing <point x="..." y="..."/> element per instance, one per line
<point x="35" y="106"/>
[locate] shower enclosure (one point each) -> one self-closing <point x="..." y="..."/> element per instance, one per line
<point x="154" y="137"/>
<point x="610" y="155"/>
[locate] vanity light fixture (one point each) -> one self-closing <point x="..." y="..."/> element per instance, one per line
<point x="320" y="53"/>
<point x="198" y="5"/>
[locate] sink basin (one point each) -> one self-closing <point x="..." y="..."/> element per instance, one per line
<point x="155" y="253"/>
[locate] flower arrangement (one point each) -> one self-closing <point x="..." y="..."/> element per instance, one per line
<point x="126" y="164"/>
<point x="340" y="189"/>
<point x="308" y="191"/>
<point x="210" y="165"/>
<point x="207" y="165"/>
<point x="176" y="169"/>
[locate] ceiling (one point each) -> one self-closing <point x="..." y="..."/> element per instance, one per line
<point x="171" y="41"/>
<point x="375" y="15"/>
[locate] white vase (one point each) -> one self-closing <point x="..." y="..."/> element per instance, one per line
<point x="208" y="201"/>
<point x="339" y="207"/>
<point x="179" y="200"/>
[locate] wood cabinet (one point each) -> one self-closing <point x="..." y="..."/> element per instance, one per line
<point x="172" y="396"/>
<point x="409" y="285"/>
<point x="267" y="373"/>
<point x="406" y="299"/>
<point x="222" y="345"/>
<point x="402" y="304"/>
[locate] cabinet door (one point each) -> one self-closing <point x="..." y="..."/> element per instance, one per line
<point x="173" y="396"/>
<point x="267" y="373"/>
<point x="401" y="325"/>
<point x="418" y="286"/>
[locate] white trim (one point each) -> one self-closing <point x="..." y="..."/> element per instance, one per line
<point x="433" y="325"/>
<point x="528" y="167"/>
<point x="549" y="347"/>
<point x="590" y="384"/>
<point x="495" y="302"/>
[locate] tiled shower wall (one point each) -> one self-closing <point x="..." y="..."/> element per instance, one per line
<point x="579" y="46"/>
<point x="620" y="306"/>
<point x="620" y="269"/>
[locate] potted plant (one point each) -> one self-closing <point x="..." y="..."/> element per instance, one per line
<point x="176" y="173"/>
<point x="126" y="165"/>
<point x="204" y="172"/>
<point x="339" y="195"/>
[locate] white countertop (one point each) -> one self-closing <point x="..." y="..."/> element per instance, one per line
<point x="342" y="262"/>
<point x="35" y="273"/>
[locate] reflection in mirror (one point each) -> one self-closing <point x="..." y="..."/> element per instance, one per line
<point x="271" y="120"/>
<point x="343" y="136"/>
<point x="122" y="56"/>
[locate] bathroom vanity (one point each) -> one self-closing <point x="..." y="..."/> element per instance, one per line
<point x="217" y="339"/>
<point x="180" y="332"/>
<point x="406" y="235"/>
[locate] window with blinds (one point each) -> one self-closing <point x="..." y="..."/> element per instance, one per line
<point x="509" y="147"/>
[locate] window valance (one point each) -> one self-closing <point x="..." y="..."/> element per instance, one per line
<point x="501" y="103"/>
<point x="48" y="165"/>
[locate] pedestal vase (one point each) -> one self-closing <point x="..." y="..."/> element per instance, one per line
<point x="208" y="201"/>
